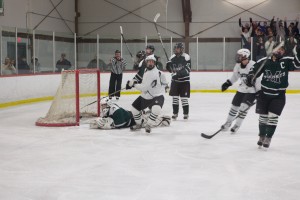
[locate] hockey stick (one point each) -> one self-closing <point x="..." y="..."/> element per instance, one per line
<point x="158" y="33"/>
<point x="103" y="98"/>
<point x="211" y="136"/>
<point x="264" y="62"/>
<point x="121" y="30"/>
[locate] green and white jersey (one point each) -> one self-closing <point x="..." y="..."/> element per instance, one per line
<point x="275" y="73"/>
<point x="122" y="118"/>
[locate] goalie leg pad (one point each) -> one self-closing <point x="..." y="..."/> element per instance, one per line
<point x="163" y="120"/>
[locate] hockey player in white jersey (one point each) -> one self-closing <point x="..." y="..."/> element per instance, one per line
<point x="245" y="95"/>
<point x="153" y="89"/>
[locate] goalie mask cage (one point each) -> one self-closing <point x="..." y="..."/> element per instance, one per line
<point x="78" y="89"/>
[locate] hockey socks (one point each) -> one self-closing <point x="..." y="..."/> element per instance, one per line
<point x="175" y="105"/>
<point x="185" y="105"/>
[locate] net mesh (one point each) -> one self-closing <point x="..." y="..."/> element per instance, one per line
<point x="63" y="108"/>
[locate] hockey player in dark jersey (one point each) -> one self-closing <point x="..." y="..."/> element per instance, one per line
<point x="141" y="55"/>
<point x="116" y="117"/>
<point x="271" y="100"/>
<point x="180" y="66"/>
<point x="141" y="68"/>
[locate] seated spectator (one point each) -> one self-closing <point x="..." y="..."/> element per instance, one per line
<point x="23" y="67"/>
<point x="93" y="64"/>
<point x="37" y="66"/>
<point x="63" y="63"/>
<point x="269" y="45"/>
<point x="8" y="68"/>
<point x="290" y="43"/>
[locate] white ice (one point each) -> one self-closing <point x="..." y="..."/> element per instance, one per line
<point x="172" y="163"/>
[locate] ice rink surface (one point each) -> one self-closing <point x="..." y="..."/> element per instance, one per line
<point x="172" y="163"/>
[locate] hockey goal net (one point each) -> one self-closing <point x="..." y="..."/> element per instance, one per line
<point x="77" y="97"/>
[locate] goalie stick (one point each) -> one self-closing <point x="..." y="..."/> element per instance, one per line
<point x="121" y="30"/>
<point x="211" y="136"/>
<point x="158" y="33"/>
<point x="102" y="98"/>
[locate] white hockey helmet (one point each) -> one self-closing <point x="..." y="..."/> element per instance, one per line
<point x="105" y="104"/>
<point x="242" y="54"/>
<point x="150" y="57"/>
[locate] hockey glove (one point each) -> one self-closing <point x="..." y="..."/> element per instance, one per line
<point x="128" y="87"/>
<point x="249" y="81"/>
<point x="226" y="85"/>
<point x="174" y="76"/>
<point x="169" y="66"/>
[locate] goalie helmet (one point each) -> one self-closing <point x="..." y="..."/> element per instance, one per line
<point x="242" y="54"/>
<point x="105" y="104"/>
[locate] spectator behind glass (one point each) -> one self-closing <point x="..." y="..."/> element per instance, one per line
<point x="290" y="43"/>
<point x="246" y="33"/>
<point x="93" y="64"/>
<point x="23" y="67"/>
<point x="8" y="68"/>
<point x="63" y="63"/>
<point x="280" y="32"/>
<point x="269" y="45"/>
<point x="260" y="51"/>
<point x="37" y="66"/>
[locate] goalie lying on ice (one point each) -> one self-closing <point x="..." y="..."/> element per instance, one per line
<point x="114" y="116"/>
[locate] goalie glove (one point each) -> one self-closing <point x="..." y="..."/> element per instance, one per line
<point x="102" y="123"/>
<point x="226" y="85"/>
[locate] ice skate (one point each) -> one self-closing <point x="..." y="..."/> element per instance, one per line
<point x="136" y="127"/>
<point x="226" y="126"/>
<point x="148" y="128"/>
<point x="185" y="117"/>
<point x="260" y="141"/>
<point x="267" y="142"/>
<point x="174" y="117"/>
<point x="234" y="129"/>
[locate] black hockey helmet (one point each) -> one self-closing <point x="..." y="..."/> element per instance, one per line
<point x="178" y="46"/>
<point x="141" y="54"/>
<point x="150" y="46"/>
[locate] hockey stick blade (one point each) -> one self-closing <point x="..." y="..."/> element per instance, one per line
<point x="121" y="30"/>
<point x="156" y="17"/>
<point x="210" y="136"/>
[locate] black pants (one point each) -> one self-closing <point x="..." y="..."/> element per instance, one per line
<point x="115" y="83"/>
